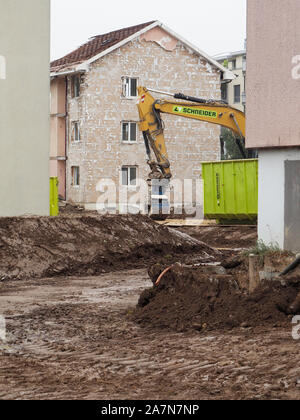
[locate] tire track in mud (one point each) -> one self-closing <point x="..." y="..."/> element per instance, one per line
<point x="72" y="338"/>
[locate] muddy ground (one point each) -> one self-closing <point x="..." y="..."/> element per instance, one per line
<point x="80" y="245"/>
<point x="74" y="336"/>
<point x="219" y="236"/>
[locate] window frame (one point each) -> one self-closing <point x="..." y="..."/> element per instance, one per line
<point x="129" y="167"/>
<point x="76" y="87"/>
<point x="77" y="178"/>
<point x="74" y="130"/>
<point x="130" y="123"/>
<point x="126" y="92"/>
<point x="234" y="94"/>
<point x="234" y="64"/>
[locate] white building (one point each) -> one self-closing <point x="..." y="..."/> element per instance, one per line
<point x="235" y="92"/>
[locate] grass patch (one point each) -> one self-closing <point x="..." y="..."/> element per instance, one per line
<point x="261" y="249"/>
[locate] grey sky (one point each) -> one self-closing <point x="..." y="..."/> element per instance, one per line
<point x="214" y="26"/>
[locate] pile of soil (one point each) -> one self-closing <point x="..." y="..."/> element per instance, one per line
<point x="69" y="209"/>
<point x="188" y="298"/>
<point x="86" y="245"/>
<point x="224" y="236"/>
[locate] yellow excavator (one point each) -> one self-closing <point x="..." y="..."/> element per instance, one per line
<point x="152" y="125"/>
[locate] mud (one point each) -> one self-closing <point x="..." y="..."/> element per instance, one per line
<point x="73" y="338"/>
<point x="224" y="236"/>
<point x="87" y="245"/>
<point x="192" y="298"/>
<point x="76" y="337"/>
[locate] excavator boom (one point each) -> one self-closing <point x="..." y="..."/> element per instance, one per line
<point x="152" y="125"/>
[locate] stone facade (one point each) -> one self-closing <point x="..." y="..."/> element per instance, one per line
<point x="101" y="108"/>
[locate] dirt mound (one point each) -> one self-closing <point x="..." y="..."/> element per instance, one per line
<point x="86" y="245"/>
<point x="188" y="298"/>
<point x="224" y="236"/>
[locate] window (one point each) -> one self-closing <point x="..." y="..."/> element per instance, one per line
<point x="224" y="91"/>
<point x="75" y="176"/>
<point x="129" y="176"/>
<point x="233" y="64"/>
<point x="130" y="87"/>
<point x="129" y="132"/>
<point x="75" y="131"/>
<point x="75" y="86"/>
<point x="237" y="94"/>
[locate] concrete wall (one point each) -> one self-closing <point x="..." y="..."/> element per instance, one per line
<point x="101" y="108"/>
<point x="273" y="109"/>
<point x="292" y="205"/>
<point x="24" y="107"/>
<point x="273" y="78"/>
<point x="271" y="201"/>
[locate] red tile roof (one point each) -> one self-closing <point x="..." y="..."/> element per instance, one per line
<point x="96" y="45"/>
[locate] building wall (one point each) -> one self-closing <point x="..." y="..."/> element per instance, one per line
<point x="273" y="124"/>
<point x="24" y="107"/>
<point x="101" y="109"/>
<point x="273" y="81"/>
<point x="272" y="228"/>
<point x="239" y="81"/>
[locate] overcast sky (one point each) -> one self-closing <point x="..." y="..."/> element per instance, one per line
<point x="214" y="26"/>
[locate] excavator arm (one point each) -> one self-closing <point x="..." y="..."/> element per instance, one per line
<point x="152" y="125"/>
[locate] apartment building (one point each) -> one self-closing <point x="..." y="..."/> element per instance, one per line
<point x="94" y="117"/>
<point x="234" y="93"/>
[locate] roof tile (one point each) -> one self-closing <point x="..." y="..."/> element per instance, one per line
<point x="96" y="45"/>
